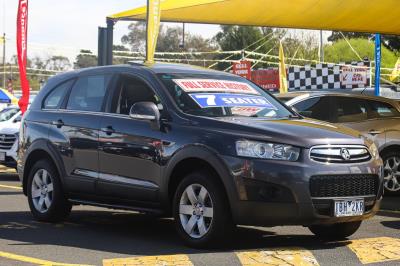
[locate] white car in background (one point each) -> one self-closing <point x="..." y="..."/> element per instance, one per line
<point x="10" y="121"/>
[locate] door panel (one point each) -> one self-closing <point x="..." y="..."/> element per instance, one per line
<point x="129" y="160"/>
<point x="129" y="155"/>
<point x="76" y="140"/>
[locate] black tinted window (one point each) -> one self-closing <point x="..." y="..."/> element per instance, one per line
<point x="351" y="109"/>
<point x="131" y="90"/>
<point x="88" y="93"/>
<point x="317" y="108"/>
<point x="56" y="96"/>
<point x="381" y="109"/>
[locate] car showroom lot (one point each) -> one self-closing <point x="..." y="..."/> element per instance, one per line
<point x="95" y="236"/>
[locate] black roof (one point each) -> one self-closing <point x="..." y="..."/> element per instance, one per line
<point x="156" y="68"/>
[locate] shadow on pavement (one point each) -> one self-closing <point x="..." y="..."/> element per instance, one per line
<point x="391" y="224"/>
<point x="134" y="234"/>
<point x="9" y="177"/>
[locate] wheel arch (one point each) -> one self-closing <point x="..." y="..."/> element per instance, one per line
<point x="37" y="151"/>
<point x="390" y="148"/>
<point x="196" y="158"/>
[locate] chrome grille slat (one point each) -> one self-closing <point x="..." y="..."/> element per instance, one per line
<point x="332" y="154"/>
<point x="7" y="141"/>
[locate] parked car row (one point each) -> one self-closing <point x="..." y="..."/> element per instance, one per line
<point x="376" y="117"/>
<point x="210" y="149"/>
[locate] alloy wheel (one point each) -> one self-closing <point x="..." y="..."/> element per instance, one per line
<point x="42" y="190"/>
<point x="392" y="174"/>
<point x="196" y="211"/>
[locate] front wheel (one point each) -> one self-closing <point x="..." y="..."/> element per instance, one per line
<point x="201" y="211"/>
<point x="391" y="163"/>
<point x="337" y="231"/>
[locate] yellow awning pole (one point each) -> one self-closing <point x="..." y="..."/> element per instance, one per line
<point x="282" y="70"/>
<point x="153" y="28"/>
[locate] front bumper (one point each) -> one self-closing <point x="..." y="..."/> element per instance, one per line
<point x="278" y="192"/>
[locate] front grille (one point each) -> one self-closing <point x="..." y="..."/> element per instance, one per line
<point x="7" y="141"/>
<point x="343" y="185"/>
<point x="340" y="154"/>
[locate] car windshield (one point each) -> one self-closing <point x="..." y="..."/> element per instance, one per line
<point x="8" y="113"/>
<point x="221" y="96"/>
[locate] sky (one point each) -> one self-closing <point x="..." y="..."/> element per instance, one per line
<point x="68" y="26"/>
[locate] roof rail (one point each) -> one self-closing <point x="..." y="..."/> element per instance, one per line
<point x="135" y="63"/>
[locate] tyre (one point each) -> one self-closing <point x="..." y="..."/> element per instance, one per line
<point x="201" y="211"/>
<point x="391" y="163"/>
<point x="46" y="199"/>
<point x="337" y="231"/>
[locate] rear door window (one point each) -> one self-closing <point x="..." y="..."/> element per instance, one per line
<point x="382" y="110"/>
<point x="88" y="93"/>
<point x="351" y="109"/>
<point x="316" y="107"/>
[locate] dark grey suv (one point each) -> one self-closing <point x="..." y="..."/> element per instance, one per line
<point x="186" y="142"/>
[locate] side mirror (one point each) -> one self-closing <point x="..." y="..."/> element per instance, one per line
<point x="146" y="111"/>
<point x="18" y="119"/>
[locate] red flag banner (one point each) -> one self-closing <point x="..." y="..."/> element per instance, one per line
<point x="22" y="39"/>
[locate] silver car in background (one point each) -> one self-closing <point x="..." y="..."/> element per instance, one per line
<point x="377" y="117"/>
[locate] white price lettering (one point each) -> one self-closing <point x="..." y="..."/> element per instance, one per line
<point x="210" y="99"/>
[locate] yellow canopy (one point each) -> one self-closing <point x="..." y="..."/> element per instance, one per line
<point x="374" y="16"/>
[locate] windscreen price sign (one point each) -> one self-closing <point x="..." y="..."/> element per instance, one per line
<point x="206" y="100"/>
<point x="354" y="76"/>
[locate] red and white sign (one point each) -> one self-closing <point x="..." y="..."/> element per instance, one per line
<point x="22" y="39"/>
<point x="243" y="69"/>
<point x="246" y="111"/>
<point x="215" y="85"/>
<point x="354" y="75"/>
<point x="268" y="79"/>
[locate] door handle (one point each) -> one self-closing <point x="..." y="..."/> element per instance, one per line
<point x="375" y="132"/>
<point x="59" y="123"/>
<point x="108" y="130"/>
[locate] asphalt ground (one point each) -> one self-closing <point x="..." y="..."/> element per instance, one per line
<point x="96" y="236"/>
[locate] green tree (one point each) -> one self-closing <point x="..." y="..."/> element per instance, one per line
<point x="120" y="54"/>
<point x="169" y="40"/>
<point x="341" y="52"/>
<point x="58" y="63"/>
<point x="390" y="41"/>
<point x="234" y="38"/>
<point x="85" y="59"/>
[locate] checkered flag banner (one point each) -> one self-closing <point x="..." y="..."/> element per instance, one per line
<point x="329" y="76"/>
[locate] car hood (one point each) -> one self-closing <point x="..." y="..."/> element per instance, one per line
<point x="298" y="132"/>
<point x="9" y="128"/>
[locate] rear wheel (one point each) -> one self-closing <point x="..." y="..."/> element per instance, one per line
<point x="335" y="231"/>
<point x="201" y="211"/>
<point x="45" y="195"/>
<point x="391" y="163"/>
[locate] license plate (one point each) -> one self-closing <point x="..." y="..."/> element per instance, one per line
<point x="2" y="156"/>
<point x="351" y="207"/>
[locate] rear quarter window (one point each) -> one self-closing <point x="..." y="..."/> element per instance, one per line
<point x="382" y="110"/>
<point x="54" y="99"/>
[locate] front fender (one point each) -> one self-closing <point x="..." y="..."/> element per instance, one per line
<point x="206" y="154"/>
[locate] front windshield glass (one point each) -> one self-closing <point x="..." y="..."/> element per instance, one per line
<point x="7" y="114"/>
<point x="221" y="96"/>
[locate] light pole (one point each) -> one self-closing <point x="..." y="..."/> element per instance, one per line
<point x="4" y="60"/>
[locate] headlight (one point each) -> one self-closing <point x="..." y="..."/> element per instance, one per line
<point x="374" y="150"/>
<point x="273" y="151"/>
